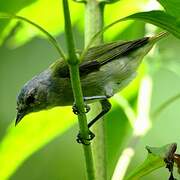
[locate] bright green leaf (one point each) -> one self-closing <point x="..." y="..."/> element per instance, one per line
<point x="155" y="159"/>
<point x="53" y="20"/>
<point x="164" y="20"/>
<point x="35" y="131"/>
<point x="164" y="151"/>
<point x="171" y="6"/>
<point x="150" y="164"/>
<point x="43" y="31"/>
<point x="12" y="6"/>
<point x="50" y="18"/>
<point x="48" y="15"/>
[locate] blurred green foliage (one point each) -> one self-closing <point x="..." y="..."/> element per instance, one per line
<point x="36" y="130"/>
<point x="13" y="6"/>
<point x="172" y="7"/>
<point x="63" y="155"/>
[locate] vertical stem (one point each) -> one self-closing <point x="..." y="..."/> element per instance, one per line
<point x="77" y="91"/>
<point x="75" y="81"/>
<point x="94" y="21"/>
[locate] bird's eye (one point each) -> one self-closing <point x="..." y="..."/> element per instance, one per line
<point x="30" y="99"/>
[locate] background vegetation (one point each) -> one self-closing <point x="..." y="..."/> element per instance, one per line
<point x="43" y="145"/>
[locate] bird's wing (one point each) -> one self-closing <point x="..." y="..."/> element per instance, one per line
<point x="108" y="52"/>
<point x="60" y="69"/>
<point x="97" y="56"/>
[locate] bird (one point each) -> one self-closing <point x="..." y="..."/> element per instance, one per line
<point x="105" y="70"/>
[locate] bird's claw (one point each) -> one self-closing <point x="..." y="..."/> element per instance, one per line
<point x="87" y="108"/>
<point x="76" y="111"/>
<point x="85" y="141"/>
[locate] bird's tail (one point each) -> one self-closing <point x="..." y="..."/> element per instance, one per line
<point x="159" y="36"/>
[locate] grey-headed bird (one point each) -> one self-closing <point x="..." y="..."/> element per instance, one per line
<point x="105" y="70"/>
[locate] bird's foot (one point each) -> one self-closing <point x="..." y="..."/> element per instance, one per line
<point x="76" y="111"/>
<point x="85" y="141"/>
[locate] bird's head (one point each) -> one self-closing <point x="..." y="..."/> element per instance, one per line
<point x="32" y="98"/>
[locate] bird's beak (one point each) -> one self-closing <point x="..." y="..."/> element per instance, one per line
<point x="19" y="117"/>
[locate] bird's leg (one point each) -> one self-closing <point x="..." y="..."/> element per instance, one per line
<point x="82" y="140"/>
<point x="86" y="99"/>
<point x="95" y="98"/>
<point x="76" y="111"/>
<point x="106" y="106"/>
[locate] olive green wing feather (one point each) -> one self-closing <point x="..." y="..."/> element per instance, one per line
<point x="60" y="69"/>
<point x="98" y="56"/>
<point x="110" y="51"/>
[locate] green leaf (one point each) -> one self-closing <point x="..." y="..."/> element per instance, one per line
<point x="50" y="18"/>
<point x="43" y="31"/>
<point x="155" y="159"/>
<point x="150" y="164"/>
<point x="171" y="6"/>
<point x="160" y="19"/>
<point x="164" y="20"/>
<point x="53" y="20"/>
<point x="34" y="132"/>
<point x="12" y="6"/>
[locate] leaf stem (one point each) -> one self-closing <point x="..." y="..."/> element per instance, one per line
<point x="48" y="35"/>
<point x="77" y="91"/>
<point x="94" y="20"/>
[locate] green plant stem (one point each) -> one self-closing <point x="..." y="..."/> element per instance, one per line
<point x="94" y="23"/>
<point x="75" y="81"/>
<point x="47" y="34"/>
<point x="77" y="91"/>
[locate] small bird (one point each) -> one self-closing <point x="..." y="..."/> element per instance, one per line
<point x="104" y="71"/>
